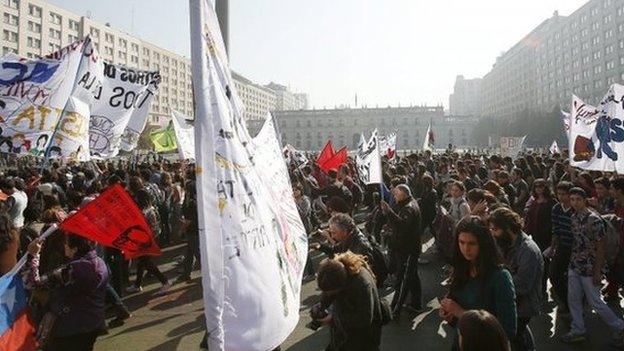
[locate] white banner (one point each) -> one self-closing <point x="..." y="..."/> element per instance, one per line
<point x="429" y="143"/>
<point x="254" y="250"/>
<point x="294" y="156"/>
<point x="596" y="134"/>
<point x="185" y="135"/>
<point x="36" y="113"/>
<point x="368" y="161"/>
<point x="511" y="146"/>
<point x="121" y="108"/>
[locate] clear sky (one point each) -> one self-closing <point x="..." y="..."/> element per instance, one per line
<point x="388" y="52"/>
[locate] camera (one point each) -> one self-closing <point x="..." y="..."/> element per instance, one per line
<point x="317" y="312"/>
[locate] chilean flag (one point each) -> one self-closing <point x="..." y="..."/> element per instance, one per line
<point x="17" y="331"/>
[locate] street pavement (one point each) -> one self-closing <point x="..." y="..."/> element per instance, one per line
<point x="175" y="321"/>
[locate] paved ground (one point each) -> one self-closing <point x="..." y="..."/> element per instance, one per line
<point x="175" y="321"/>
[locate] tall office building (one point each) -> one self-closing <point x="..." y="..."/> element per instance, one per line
<point x="581" y="54"/>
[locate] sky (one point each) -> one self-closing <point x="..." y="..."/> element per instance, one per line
<point x="388" y="52"/>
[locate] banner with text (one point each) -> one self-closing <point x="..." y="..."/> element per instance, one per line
<point x="120" y="110"/>
<point x="36" y="113"/>
<point x="511" y="146"/>
<point x="252" y="241"/>
<point x="368" y="161"/>
<point x="596" y="133"/>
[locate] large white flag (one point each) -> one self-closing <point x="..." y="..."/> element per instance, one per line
<point x="120" y="110"/>
<point x="596" y="133"/>
<point x="44" y="103"/>
<point x="252" y="241"/>
<point x="185" y="135"/>
<point x="429" y="143"/>
<point x="368" y="161"/>
<point x="511" y="146"/>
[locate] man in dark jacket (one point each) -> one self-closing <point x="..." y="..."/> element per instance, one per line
<point x="405" y="220"/>
<point x="524" y="261"/>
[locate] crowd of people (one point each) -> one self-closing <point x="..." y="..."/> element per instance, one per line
<point x="75" y="284"/>
<point x="504" y="227"/>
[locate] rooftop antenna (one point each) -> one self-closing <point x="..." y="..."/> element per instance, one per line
<point x="89" y="14"/>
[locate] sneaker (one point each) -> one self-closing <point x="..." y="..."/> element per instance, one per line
<point x="134" y="289"/>
<point x="164" y="289"/>
<point x="572" y="337"/>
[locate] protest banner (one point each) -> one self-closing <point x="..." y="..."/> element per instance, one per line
<point x="119" y="112"/>
<point x="596" y="133"/>
<point x="294" y="156"/>
<point x="184" y="134"/>
<point x="368" y="161"/>
<point x="36" y="113"/>
<point x="252" y="243"/>
<point x="511" y="146"/>
<point x="114" y="220"/>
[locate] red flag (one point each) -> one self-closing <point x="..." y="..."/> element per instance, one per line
<point x="114" y="220"/>
<point x="326" y="154"/>
<point x="336" y="161"/>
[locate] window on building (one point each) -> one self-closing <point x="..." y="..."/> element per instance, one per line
<point x="55" y="18"/>
<point x="33" y="43"/>
<point x="134" y="59"/>
<point x="73" y="25"/>
<point x="95" y="32"/>
<point x="135" y="48"/>
<point x="108" y="50"/>
<point x="11" y="3"/>
<point x="610" y="65"/>
<point x="72" y="38"/>
<point x="54" y="47"/>
<point x="55" y="33"/>
<point x="34" y="27"/>
<point x="109" y="38"/>
<point x="6" y="50"/>
<point x="11" y="19"/>
<point x="121" y="55"/>
<point x="9" y="36"/>
<point x="34" y="11"/>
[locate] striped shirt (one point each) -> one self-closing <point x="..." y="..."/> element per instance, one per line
<point x="562" y="225"/>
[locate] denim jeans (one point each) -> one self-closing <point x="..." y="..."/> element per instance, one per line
<point x="579" y="286"/>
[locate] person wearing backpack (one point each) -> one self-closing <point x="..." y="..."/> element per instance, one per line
<point x="405" y="220"/>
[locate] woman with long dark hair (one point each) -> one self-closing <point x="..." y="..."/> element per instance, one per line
<point x="538" y="221"/>
<point x="478" y="280"/>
